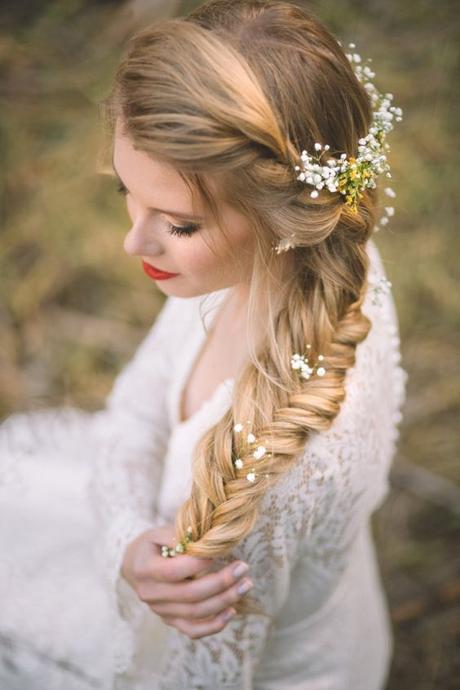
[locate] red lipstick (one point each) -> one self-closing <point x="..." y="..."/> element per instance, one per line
<point x="155" y="273"/>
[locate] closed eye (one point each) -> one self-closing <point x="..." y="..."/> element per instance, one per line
<point x="178" y="230"/>
<point x="183" y="230"/>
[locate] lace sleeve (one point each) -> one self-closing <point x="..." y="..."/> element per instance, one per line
<point x="130" y="438"/>
<point x="313" y="514"/>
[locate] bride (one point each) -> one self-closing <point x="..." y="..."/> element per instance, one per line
<point x="210" y="526"/>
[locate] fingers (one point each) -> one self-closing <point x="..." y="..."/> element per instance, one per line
<point x="201" y="588"/>
<point x="199" y="629"/>
<point x="197" y="599"/>
<point x="207" y="608"/>
<point x="179" y="567"/>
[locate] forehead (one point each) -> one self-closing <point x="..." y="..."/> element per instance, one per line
<point x="154" y="183"/>
<point x="133" y="162"/>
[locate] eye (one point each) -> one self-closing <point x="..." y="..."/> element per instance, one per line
<point x="183" y="230"/>
<point x="180" y="230"/>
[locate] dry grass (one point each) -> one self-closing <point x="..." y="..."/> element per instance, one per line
<point x="74" y="307"/>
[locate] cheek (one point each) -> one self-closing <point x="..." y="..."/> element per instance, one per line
<point x="195" y="256"/>
<point x="229" y="257"/>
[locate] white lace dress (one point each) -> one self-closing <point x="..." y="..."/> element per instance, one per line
<point x="76" y="488"/>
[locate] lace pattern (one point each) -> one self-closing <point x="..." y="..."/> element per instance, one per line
<point x="312" y="517"/>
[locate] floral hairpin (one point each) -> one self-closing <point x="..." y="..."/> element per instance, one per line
<point x="351" y="176"/>
<point x="181" y="547"/>
<point x="307" y="370"/>
<point x="258" y="452"/>
<point x="285" y="244"/>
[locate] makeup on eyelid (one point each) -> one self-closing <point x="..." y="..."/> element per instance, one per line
<point x="180" y="230"/>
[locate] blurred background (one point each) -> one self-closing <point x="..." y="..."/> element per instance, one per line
<point x="73" y="306"/>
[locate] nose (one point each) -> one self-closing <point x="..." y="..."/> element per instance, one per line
<point x="138" y="241"/>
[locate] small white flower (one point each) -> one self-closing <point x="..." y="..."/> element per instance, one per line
<point x="239" y="463"/>
<point x="251" y="476"/>
<point x="351" y="177"/>
<point x="389" y="210"/>
<point x="259" y="452"/>
<point x="251" y="438"/>
<point x="390" y="192"/>
<point x="238" y="427"/>
<point x="321" y="371"/>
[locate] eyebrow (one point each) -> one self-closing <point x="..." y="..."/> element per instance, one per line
<point x="186" y="216"/>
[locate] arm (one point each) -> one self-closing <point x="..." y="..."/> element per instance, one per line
<point x="130" y="437"/>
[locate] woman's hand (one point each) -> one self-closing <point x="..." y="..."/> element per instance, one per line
<point x="178" y="589"/>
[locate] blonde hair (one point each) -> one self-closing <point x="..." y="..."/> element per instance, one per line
<point x="234" y="92"/>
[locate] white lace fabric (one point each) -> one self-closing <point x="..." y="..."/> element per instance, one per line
<point x="310" y="553"/>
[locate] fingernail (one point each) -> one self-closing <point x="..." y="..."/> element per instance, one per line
<point x="244" y="587"/>
<point x="229" y="613"/>
<point x="240" y="569"/>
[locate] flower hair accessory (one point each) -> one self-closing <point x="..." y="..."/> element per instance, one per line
<point x="258" y="451"/>
<point x="302" y="362"/>
<point x="352" y="175"/>
<point x="181" y="547"/>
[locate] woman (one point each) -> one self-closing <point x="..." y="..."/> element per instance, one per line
<point x="262" y="436"/>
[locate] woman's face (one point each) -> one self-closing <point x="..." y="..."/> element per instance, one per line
<point x="157" y="199"/>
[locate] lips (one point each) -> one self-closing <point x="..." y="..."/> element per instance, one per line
<point x="156" y="273"/>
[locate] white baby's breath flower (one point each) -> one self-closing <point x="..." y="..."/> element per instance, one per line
<point x="351" y="176"/>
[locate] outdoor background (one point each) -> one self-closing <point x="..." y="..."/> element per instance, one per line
<point x="74" y="307"/>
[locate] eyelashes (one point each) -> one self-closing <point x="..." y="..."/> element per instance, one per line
<point x="178" y="230"/>
<point x="182" y="230"/>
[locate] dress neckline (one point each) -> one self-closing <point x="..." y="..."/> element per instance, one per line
<point x="190" y="357"/>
